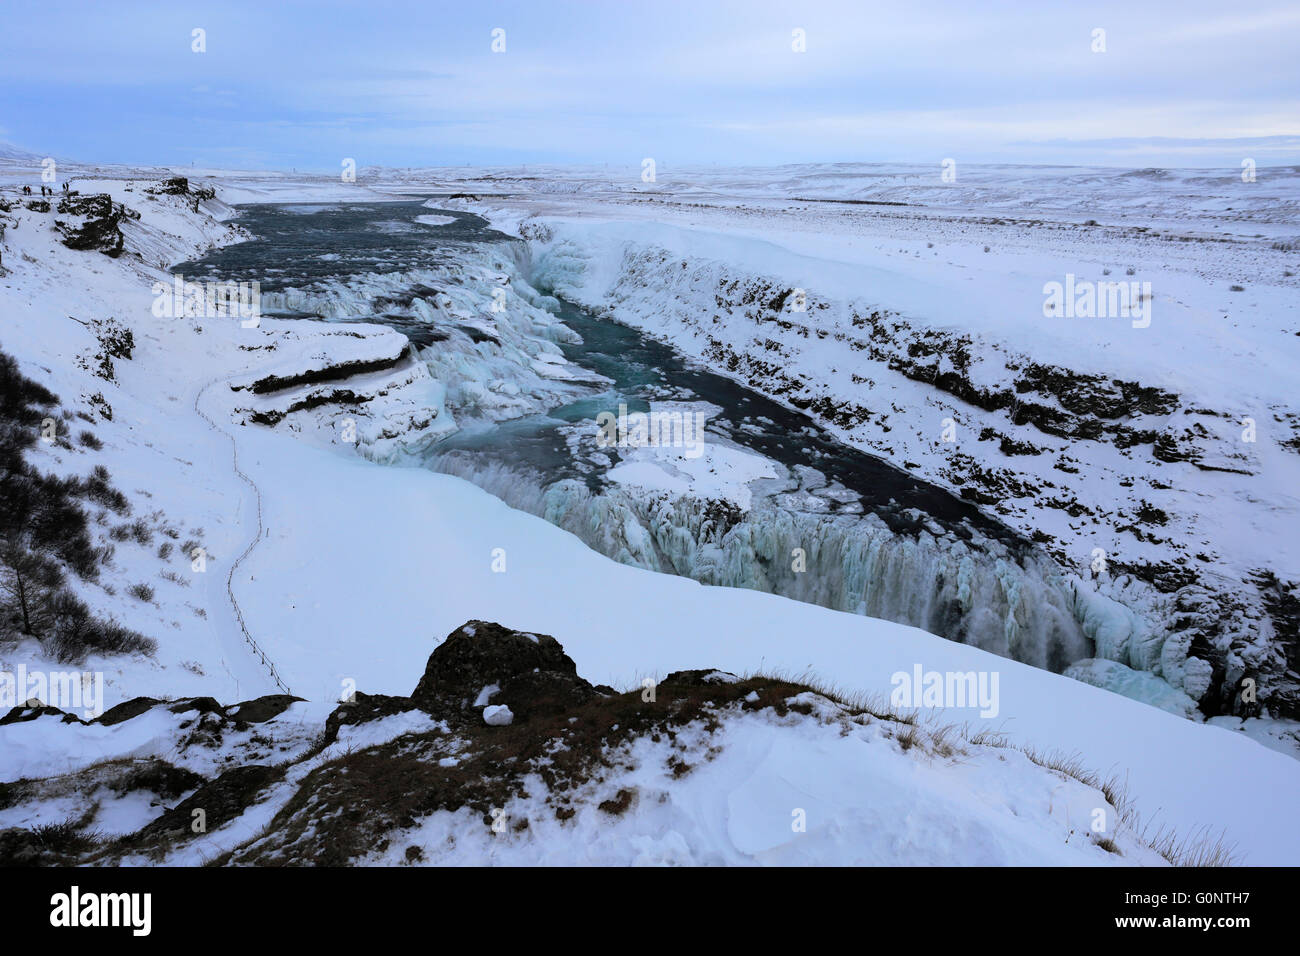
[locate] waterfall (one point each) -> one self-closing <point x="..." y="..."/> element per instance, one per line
<point x="976" y="592"/>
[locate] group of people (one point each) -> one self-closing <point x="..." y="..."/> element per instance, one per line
<point x="27" y="191"/>
<point x="45" y="190"/>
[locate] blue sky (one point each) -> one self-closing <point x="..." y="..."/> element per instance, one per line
<point x="291" y="84"/>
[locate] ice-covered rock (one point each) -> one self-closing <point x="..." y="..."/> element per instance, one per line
<point x="1137" y="685"/>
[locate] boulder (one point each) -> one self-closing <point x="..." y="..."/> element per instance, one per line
<point x="531" y="672"/>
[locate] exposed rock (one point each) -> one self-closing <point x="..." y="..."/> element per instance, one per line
<point x="533" y="673"/>
<point x="699" y="678"/>
<point x="24" y="712"/>
<point x="330" y="373"/>
<point x="362" y="709"/>
<point x="180" y="186"/>
<point x="101" y="230"/>
<point x="262" y="709"/>
<point x="126" y="710"/>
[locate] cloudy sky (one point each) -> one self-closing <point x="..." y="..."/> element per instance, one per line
<point x="303" y="85"/>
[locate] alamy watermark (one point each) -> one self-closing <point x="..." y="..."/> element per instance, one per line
<point x="133" y="911"/>
<point x="1085" y="299"/>
<point x="654" y="429"/>
<point x="209" y="300"/>
<point x="922" y="688"/>
<point x="69" y="691"/>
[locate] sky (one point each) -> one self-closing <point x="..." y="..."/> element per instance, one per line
<point x="293" y="85"/>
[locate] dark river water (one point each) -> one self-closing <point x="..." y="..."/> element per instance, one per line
<point x="643" y="368"/>
<point x="296" y="244"/>
<point x="299" y="244"/>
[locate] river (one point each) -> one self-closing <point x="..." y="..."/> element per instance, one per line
<point x="824" y="522"/>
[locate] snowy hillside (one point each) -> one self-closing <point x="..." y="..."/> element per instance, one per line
<point x="503" y="754"/>
<point x="326" y="570"/>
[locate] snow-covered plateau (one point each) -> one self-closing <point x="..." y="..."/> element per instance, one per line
<point x="1098" y="511"/>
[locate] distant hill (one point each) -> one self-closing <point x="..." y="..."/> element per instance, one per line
<point x="17" y="154"/>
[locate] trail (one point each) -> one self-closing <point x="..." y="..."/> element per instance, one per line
<point x="257" y="492"/>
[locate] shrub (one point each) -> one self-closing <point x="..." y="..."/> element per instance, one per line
<point x="73" y="626"/>
<point x="141" y="592"/>
<point x="909" y="737"/>
<point x="98" y="489"/>
<point x="157" y="777"/>
<point x="115" y="339"/>
<point x="65" y="837"/>
<point x="88" y="440"/>
<point x="116" y="639"/>
<point x="100" y="403"/>
<point x="45" y="531"/>
<point x="76" y="633"/>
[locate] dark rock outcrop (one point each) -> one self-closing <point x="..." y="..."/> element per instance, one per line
<point x="25" y="712"/>
<point x="262" y="709"/>
<point x="532" y="672"/>
<point x="127" y="710"/>
<point x="180" y="186"/>
<point x="330" y="373"/>
<point x="101" y="231"/>
<point x="362" y="709"/>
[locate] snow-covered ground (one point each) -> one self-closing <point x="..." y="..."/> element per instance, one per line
<point x="768" y="775"/>
<point x="754" y="776"/>
<point x="359" y="567"/>
<point x="1153" y="453"/>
